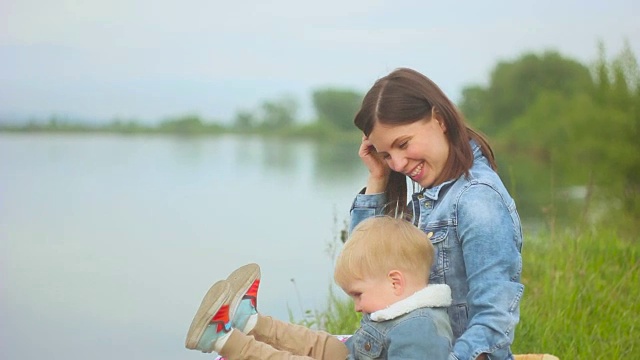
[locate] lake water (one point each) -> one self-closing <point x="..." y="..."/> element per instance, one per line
<point x="108" y="243"/>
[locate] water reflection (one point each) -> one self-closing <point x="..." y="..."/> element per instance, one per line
<point x="108" y="237"/>
<point x="191" y="150"/>
<point x="327" y="163"/>
<point x="337" y="161"/>
<point x="281" y="155"/>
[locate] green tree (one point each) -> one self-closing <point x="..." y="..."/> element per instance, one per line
<point x="336" y="107"/>
<point x="616" y="136"/>
<point x="280" y="113"/>
<point x="244" y="120"/>
<point x="125" y="126"/>
<point x="188" y="124"/>
<point x="515" y="85"/>
<point x="587" y="139"/>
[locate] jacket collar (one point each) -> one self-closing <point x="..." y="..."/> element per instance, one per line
<point x="434" y="192"/>
<point x="436" y="295"/>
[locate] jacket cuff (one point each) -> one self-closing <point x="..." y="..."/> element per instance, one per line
<point x="374" y="201"/>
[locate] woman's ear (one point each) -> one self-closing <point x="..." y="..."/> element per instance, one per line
<point x="435" y="115"/>
<point x="397" y="281"/>
<point x="443" y="126"/>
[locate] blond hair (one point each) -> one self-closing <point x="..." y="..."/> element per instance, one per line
<point x="381" y="244"/>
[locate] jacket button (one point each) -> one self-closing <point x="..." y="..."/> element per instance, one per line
<point x="367" y="346"/>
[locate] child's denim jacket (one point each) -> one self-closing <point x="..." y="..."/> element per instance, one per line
<point x="476" y="231"/>
<point x="414" y="328"/>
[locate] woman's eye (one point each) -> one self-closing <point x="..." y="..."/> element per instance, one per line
<point x="403" y="145"/>
<point x="386" y="156"/>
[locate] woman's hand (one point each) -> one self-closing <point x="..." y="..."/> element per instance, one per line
<point x="378" y="169"/>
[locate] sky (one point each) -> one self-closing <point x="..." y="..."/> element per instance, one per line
<point x="101" y="60"/>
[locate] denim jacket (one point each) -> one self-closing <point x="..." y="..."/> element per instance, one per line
<point x="414" y="328"/>
<point x="477" y="235"/>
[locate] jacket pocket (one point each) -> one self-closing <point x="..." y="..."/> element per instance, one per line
<point x="459" y="316"/>
<point x="440" y="260"/>
<point x="367" y="346"/>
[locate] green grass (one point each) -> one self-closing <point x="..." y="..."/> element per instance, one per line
<point x="581" y="301"/>
<point x="581" y="296"/>
<point x="339" y="318"/>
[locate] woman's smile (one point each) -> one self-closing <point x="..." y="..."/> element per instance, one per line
<point x="416" y="171"/>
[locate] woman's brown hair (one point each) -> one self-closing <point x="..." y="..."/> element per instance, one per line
<point x="406" y="96"/>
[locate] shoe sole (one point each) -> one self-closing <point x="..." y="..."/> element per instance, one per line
<point x="211" y="303"/>
<point x="240" y="281"/>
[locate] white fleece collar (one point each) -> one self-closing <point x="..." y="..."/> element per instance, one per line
<point x="436" y="295"/>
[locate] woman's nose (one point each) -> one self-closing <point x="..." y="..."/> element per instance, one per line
<point x="396" y="163"/>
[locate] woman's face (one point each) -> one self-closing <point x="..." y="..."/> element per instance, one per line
<point x="419" y="149"/>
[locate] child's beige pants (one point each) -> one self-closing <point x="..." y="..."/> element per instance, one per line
<point x="272" y="339"/>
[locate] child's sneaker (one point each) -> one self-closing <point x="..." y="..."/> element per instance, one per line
<point x="244" y="284"/>
<point x="211" y="321"/>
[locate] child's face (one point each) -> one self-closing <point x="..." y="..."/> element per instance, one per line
<point x="373" y="294"/>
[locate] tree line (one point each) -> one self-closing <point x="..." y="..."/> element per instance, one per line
<point x="334" y="109"/>
<point x="570" y="126"/>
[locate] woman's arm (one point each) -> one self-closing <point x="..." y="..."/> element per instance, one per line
<point x="371" y="200"/>
<point x="366" y="206"/>
<point x="491" y="242"/>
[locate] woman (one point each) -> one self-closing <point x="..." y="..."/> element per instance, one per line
<point x="411" y="129"/>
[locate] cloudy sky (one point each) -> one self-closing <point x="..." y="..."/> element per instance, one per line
<point x="148" y="60"/>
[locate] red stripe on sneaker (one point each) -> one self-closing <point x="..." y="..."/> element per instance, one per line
<point x="252" y="293"/>
<point x="221" y="317"/>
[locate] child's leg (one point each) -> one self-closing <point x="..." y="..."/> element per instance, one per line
<point x="232" y="303"/>
<point x="239" y="346"/>
<point x="298" y="339"/>
<point x="294" y="339"/>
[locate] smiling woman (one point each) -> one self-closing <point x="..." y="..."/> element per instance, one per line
<point x="418" y="150"/>
<point x="411" y="129"/>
